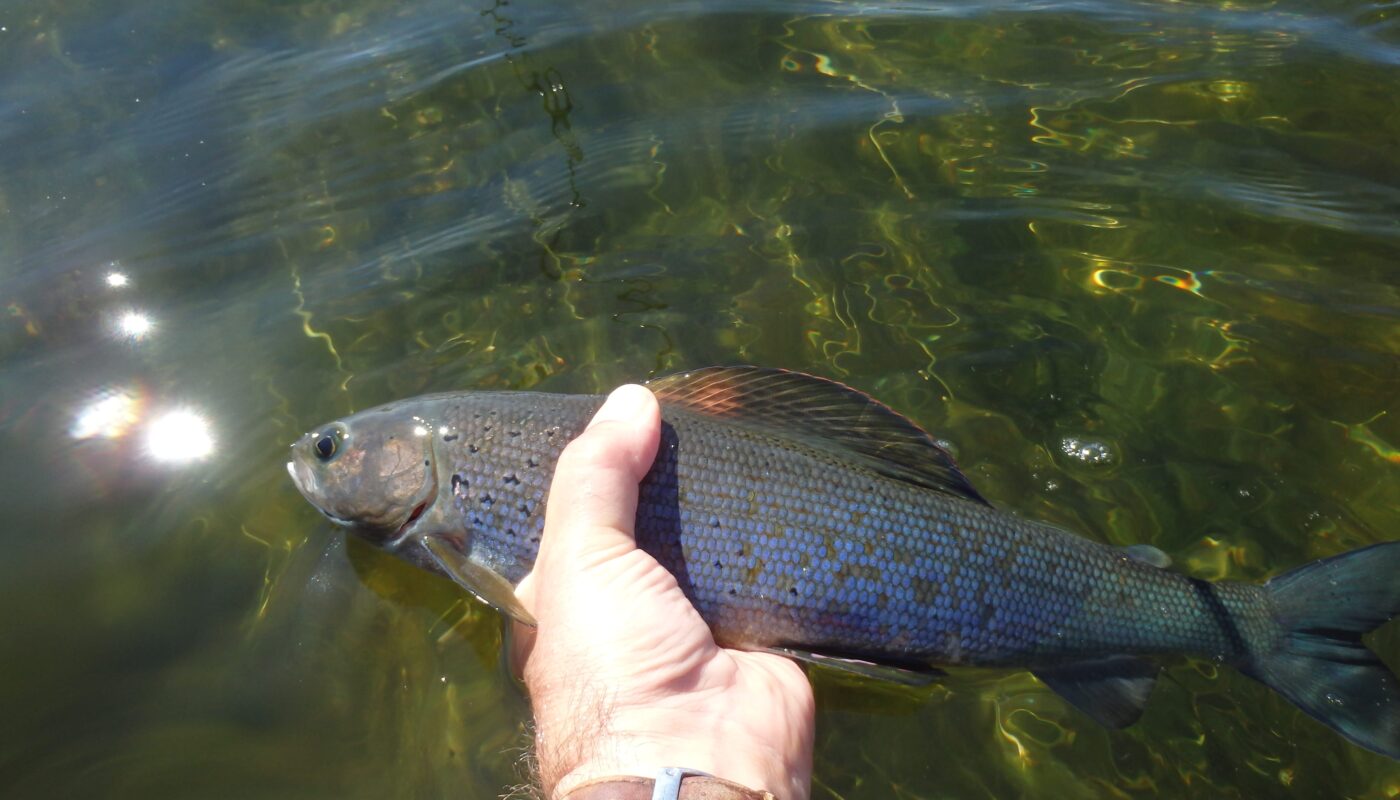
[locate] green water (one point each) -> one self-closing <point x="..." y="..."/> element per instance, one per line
<point x="1136" y="261"/>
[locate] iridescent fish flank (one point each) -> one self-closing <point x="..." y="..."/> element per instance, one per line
<point x="804" y="517"/>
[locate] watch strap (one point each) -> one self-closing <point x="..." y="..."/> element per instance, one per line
<point x="671" y="783"/>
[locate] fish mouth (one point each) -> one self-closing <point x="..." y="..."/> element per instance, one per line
<point x="305" y="482"/>
<point x="296" y="479"/>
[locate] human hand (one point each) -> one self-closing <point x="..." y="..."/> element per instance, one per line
<point x="623" y="674"/>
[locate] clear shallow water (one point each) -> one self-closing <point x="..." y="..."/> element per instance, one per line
<point x="1136" y="261"/>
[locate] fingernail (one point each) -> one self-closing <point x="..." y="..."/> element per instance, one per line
<point x="625" y="404"/>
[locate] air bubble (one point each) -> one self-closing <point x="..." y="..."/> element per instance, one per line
<point x="1092" y="452"/>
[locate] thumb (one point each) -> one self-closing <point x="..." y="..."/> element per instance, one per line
<point x="592" y="506"/>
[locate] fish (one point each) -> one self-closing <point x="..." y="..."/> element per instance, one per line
<point x="804" y="517"/>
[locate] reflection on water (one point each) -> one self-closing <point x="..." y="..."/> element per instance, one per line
<point x="179" y="436"/>
<point x="1135" y="261"/>
<point x="134" y="325"/>
<point x="110" y="414"/>
<point x="170" y="435"/>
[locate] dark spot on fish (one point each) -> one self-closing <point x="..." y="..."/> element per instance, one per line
<point x="486" y="428"/>
<point x="714" y="522"/>
<point x="486" y="500"/>
<point x="510" y="531"/>
<point x="531" y="462"/>
<point x="459" y="485"/>
<point x="740" y="550"/>
<point x="513" y="434"/>
<point x="717" y="564"/>
<point x="427" y="463"/>
<point x="733" y="592"/>
<point x="551" y="432"/>
<point x="449" y="437"/>
<point x="476" y="521"/>
<point x="534" y="540"/>
<point x="473" y="448"/>
<point x="510" y="479"/>
<point x="792" y="590"/>
<point x="524" y="509"/>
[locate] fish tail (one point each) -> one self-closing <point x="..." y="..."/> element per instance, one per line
<point x="1319" y="662"/>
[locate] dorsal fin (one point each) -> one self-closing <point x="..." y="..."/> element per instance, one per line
<point x="821" y="413"/>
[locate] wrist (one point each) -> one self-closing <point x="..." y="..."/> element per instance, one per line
<point x="616" y="757"/>
<point x="640" y="743"/>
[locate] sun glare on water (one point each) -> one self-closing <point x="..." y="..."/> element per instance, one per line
<point x="110" y="415"/>
<point x="134" y="325"/>
<point x="179" y="436"/>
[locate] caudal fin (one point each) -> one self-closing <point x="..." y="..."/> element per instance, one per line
<point x="1321" y="665"/>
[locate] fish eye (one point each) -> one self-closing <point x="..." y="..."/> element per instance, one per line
<point x="326" y="446"/>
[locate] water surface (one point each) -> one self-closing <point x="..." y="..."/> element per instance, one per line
<point x="1136" y="261"/>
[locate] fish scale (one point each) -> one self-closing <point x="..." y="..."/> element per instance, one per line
<point x="775" y="546"/>
<point x="804" y="517"/>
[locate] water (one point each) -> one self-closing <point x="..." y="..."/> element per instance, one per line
<point x="1165" y="232"/>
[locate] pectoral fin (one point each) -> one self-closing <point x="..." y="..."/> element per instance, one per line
<point x="1148" y="554"/>
<point x="485" y="585"/>
<point x="922" y="676"/>
<point x="1112" y="690"/>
